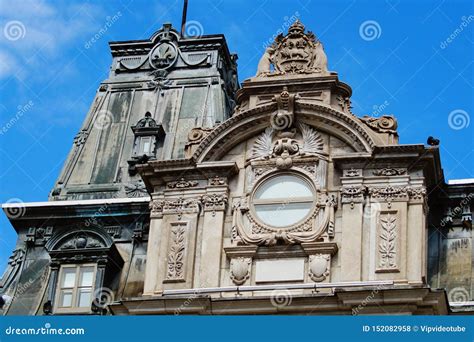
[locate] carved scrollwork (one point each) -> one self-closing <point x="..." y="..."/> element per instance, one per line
<point x="217" y="181"/>
<point x="389" y="171"/>
<point x="214" y="202"/>
<point x="352" y="173"/>
<point x="352" y="194"/>
<point x="82" y="241"/>
<point x="177" y="206"/>
<point x="389" y="193"/>
<point x="310" y="230"/>
<point x="417" y="194"/>
<point x="383" y="124"/>
<point x="182" y="183"/>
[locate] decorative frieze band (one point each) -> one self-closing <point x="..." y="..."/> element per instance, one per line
<point x="389" y="171"/>
<point x="388" y="193"/>
<point x="174" y="206"/>
<point x="355" y="194"/>
<point x="180" y="206"/>
<point x="182" y="183"/>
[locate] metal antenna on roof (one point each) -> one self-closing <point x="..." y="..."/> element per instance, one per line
<point x="183" y="20"/>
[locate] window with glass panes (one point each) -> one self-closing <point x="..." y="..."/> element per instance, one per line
<point x="75" y="288"/>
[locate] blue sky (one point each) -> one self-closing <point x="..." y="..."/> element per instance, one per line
<point x="412" y="59"/>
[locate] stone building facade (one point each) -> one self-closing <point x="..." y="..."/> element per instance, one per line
<point x="188" y="193"/>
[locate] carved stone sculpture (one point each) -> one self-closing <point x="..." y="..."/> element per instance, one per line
<point x="298" y="52"/>
<point x="384" y="124"/>
<point x="239" y="270"/>
<point x="319" y="267"/>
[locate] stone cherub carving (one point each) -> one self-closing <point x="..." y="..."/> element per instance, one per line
<point x="296" y="53"/>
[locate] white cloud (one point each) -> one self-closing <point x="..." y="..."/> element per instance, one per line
<point x="49" y="28"/>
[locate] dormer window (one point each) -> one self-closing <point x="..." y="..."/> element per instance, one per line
<point x="149" y="138"/>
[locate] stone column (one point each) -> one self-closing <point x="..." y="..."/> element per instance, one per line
<point x="214" y="205"/>
<point x="171" y="244"/>
<point x="154" y="249"/>
<point x="351" y="242"/>
<point x="416" y="236"/>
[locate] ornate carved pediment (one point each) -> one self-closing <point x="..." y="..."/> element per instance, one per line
<point x="80" y="239"/>
<point x="298" y="52"/>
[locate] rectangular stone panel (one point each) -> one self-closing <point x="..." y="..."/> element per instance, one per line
<point x="275" y="270"/>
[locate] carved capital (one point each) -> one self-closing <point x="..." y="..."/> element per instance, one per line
<point x="417" y="194"/>
<point x="214" y="202"/>
<point x="352" y="194"/>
